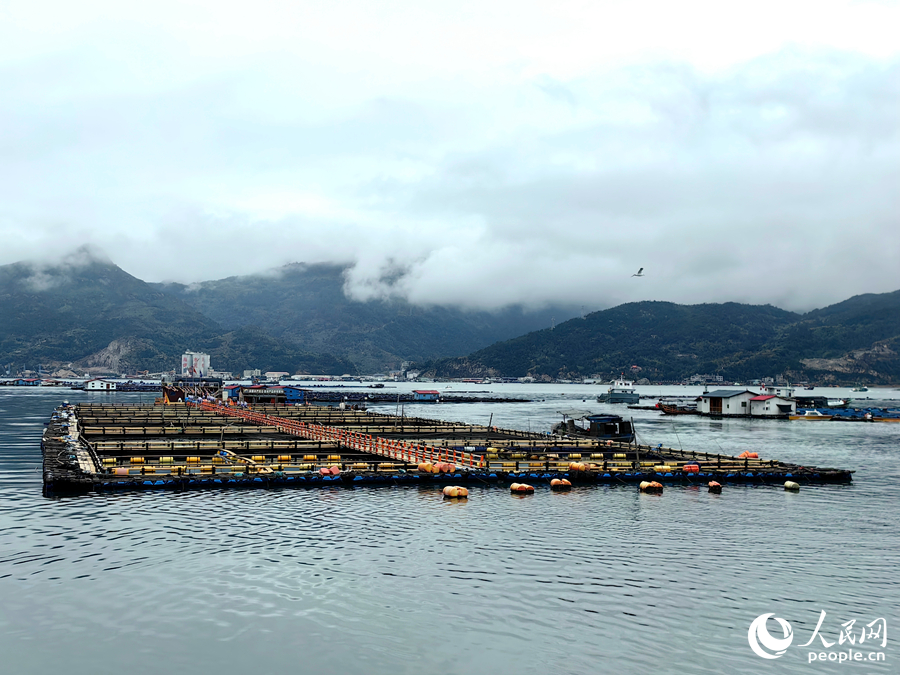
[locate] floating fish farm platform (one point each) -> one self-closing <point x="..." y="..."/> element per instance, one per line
<point x="108" y="447"/>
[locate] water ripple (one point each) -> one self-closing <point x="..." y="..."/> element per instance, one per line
<point x="398" y="580"/>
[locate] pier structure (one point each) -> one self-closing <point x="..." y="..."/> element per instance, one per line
<point x="97" y="447"/>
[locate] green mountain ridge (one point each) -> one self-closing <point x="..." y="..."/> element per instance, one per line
<point x="855" y="340"/>
<point x="306" y="304"/>
<point x="87" y="312"/>
<point x="93" y="315"/>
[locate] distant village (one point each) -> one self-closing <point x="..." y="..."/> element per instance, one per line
<point x="197" y="365"/>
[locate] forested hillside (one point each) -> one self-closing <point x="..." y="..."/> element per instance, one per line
<point x="90" y="314"/>
<point x="306" y="304"/>
<point x="858" y="339"/>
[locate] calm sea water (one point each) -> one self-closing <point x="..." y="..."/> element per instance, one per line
<point x="395" y="580"/>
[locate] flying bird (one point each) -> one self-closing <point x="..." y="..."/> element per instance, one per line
<point x="640" y="273"/>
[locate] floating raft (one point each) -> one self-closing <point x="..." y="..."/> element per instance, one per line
<point x="102" y="447"/>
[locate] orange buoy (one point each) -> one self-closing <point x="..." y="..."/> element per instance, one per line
<point x="714" y="487"/>
<point x="325" y="471"/>
<point x="455" y="492"/>
<point x="753" y="455"/>
<point x="691" y="468"/>
<point x="650" y="486"/>
<point x="521" y="488"/>
<point x="558" y="484"/>
<point x="426" y="467"/>
<point x="334" y="470"/>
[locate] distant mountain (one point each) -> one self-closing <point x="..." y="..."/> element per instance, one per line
<point x="88" y="312"/>
<point x="856" y="340"/>
<point x="306" y="304"/>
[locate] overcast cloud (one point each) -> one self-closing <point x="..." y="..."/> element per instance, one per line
<point x="476" y="153"/>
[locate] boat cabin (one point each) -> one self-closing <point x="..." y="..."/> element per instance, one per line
<point x="622" y="391"/>
<point x="602" y="427"/>
<point x="610" y="427"/>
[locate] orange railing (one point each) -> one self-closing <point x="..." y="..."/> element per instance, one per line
<point x="399" y="450"/>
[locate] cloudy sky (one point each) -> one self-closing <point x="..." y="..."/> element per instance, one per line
<point x="478" y="153"/>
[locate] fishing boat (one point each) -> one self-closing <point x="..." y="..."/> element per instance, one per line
<point x="622" y="391"/>
<point x="678" y="407"/>
<point x="602" y="427"/>
<point x="812" y="415"/>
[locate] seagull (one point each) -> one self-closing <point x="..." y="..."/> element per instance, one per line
<point x="640" y="273"/>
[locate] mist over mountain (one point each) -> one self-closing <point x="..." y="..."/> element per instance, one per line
<point x="86" y="312"/>
<point x="308" y="305"/>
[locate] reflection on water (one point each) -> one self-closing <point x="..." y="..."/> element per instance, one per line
<point x="396" y="580"/>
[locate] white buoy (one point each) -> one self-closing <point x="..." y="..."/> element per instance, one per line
<point x="791" y="485"/>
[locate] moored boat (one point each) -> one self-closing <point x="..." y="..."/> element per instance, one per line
<point x="679" y="408"/>
<point x="622" y="391"/>
<point x="812" y="415"/>
<point x="602" y="427"/>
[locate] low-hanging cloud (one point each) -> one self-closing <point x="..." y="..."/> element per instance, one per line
<point x="769" y="179"/>
<point x="55" y="268"/>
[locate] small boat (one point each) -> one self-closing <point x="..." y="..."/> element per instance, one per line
<point x="601" y="427"/>
<point x="678" y="407"/>
<point x="622" y="391"/>
<point x="812" y="415"/>
<point x="860" y="387"/>
<point x="838" y="402"/>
